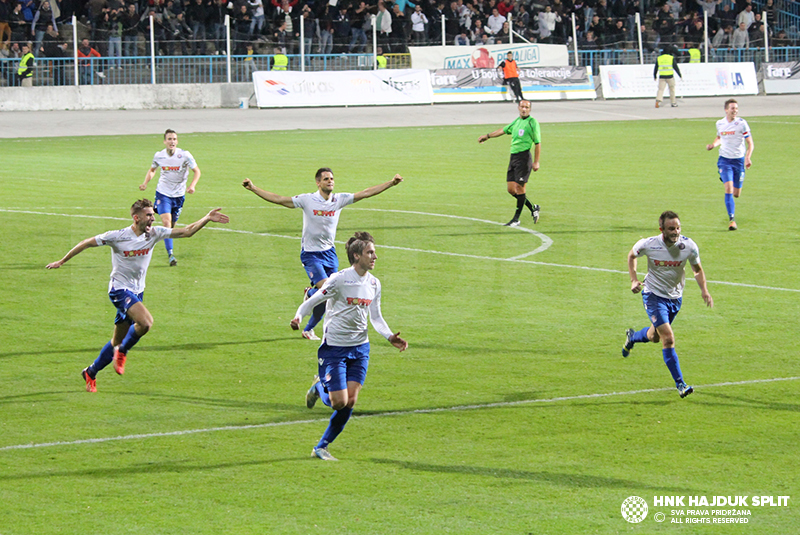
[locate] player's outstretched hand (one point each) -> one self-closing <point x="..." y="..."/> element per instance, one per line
<point x="482" y="138"/>
<point x="295" y="324"/>
<point x="142" y="187"/>
<point x="398" y="342"/>
<point x="636" y="287"/>
<point x="189" y="189"/>
<point x="708" y="300"/>
<point x="396" y="180"/>
<point x="54" y="265"/>
<point x="709" y="146"/>
<point x="248" y="184"/>
<point x="217" y="217"/>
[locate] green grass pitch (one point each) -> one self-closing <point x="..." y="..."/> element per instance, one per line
<point x="512" y="412"/>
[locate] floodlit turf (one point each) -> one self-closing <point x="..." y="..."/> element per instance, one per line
<point x="508" y="352"/>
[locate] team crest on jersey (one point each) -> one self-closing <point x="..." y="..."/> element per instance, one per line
<point x="653" y="319"/>
<point x="180" y="155"/>
<point x="681" y="246"/>
<point x="521" y="132"/>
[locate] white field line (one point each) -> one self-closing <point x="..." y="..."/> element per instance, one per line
<point x="546" y="243"/>
<point x="479" y="406"/>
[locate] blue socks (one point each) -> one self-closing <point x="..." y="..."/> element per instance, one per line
<point x="640" y="337"/>
<point x="671" y="360"/>
<point x="103" y="360"/>
<point x="730" y="205"/>
<point x="338" y="420"/>
<point x="168" y="245"/>
<point x="130" y="340"/>
<point x="316" y="314"/>
<point x="323" y="394"/>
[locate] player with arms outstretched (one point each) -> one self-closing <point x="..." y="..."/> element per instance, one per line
<point x="131" y="251"/>
<point x="321" y="211"/>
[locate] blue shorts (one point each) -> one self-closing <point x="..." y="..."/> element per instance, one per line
<point x="731" y="169"/>
<point x="123" y="300"/>
<point x="659" y="309"/>
<point x="319" y="265"/>
<point x="169" y="205"/>
<point x="338" y="365"/>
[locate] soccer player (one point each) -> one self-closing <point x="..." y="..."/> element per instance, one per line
<point x="662" y="292"/>
<point x="524" y="133"/>
<point x="352" y="295"/>
<point x="321" y="211"/>
<point x="131" y="251"/>
<point x="733" y="133"/>
<point x="171" y="188"/>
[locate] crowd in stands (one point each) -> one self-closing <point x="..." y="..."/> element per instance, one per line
<point x="119" y="28"/>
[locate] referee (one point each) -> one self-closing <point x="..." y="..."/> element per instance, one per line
<point x="524" y="132"/>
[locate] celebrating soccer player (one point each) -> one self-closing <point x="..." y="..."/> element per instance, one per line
<point x="662" y="291"/>
<point x="171" y="188"/>
<point x="354" y="295"/>
<point x="733" y="133"/>
<point x="321" y="211"/>
<point x="131" y="251"/>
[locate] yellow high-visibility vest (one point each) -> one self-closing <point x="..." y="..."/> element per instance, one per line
<point x="665" y="65"/>
<point x="694" y="55"/>
<point x="381" y="62"/>
<point x="280" y="62"/>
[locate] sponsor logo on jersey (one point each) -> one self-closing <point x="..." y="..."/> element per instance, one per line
<point x="171" y="168"/>
<point x="325" y="213"/>
<point x="358" y="301"/>
<point x="138" y="252"/>
<point x="667" y="263"/>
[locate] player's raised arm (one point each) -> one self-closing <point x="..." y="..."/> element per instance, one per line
<point x="82" y="246"/>
<point x="266" y="195"/>
<point x="188" y="231"/>
<point x="375" y="190"/>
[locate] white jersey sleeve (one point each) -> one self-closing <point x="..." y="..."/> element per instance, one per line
<point x="375" y="316"/>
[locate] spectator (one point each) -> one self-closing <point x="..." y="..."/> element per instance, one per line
<point x="384" y="25"/>
<point x="398" y="30"/>
<point x="418" y="24"/>
<point x="16" y="21"/>
<point x="358" y="36"/>
<point x="44" y="16"/>
<point x="740" y="37"/>
<point x="341" y="29"/>
<point x="756" y="32"/>
<point x="547" y="24"/>
<point x="747" y="17"/>
<point x="726" y="16"/>
<point x="130" y="31"/>
<point x="722" y="39"/>
<point x="325" y="26"/>
<point x="709" y="6"/>
<point x="616" y="35"/>
<point x="219" y="9"/>
<point x="589" y="42"/>
<point x="259" y="19"/>
<point x="675" y="8"/>
<point x="241" y="23"/>
<point x="280" y="36"/>
<point x="10" y="68"/>
<point x="114" y="38"/>
<point x="494" y="24"/>
<point x="309" y="29"/>
<point x="6" y="7"/>
<point x="280" y="62"/>
<point x="182" y="34"/>
<point x="86" y="66"/>
<point x="462" y="39"/>
<point x="197" y="15"/>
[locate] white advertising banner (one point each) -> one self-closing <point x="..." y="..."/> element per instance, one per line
<point x="278" y="89"/>
<point x="488" y="56"/>
<point x="697" y="80"/>
<point x="538" y="83"/>
<point x="781" y="77"/>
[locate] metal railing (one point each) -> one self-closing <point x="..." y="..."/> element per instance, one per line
<point x="596" y="58"/>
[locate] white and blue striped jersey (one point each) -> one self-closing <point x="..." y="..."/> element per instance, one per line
<point x="666" y="266"/>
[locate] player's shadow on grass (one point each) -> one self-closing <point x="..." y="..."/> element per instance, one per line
<point x="192" y="346"/>
<point x="173" y="467"/>
<point x="554" y="478"/>
<point x="734" y="401"/>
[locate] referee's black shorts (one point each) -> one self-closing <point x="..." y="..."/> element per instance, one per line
<point x="519" y="167"/>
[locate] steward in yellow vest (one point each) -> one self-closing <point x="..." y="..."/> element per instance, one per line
<point x="280" y="61"/>
<point x="665" y="69"/>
